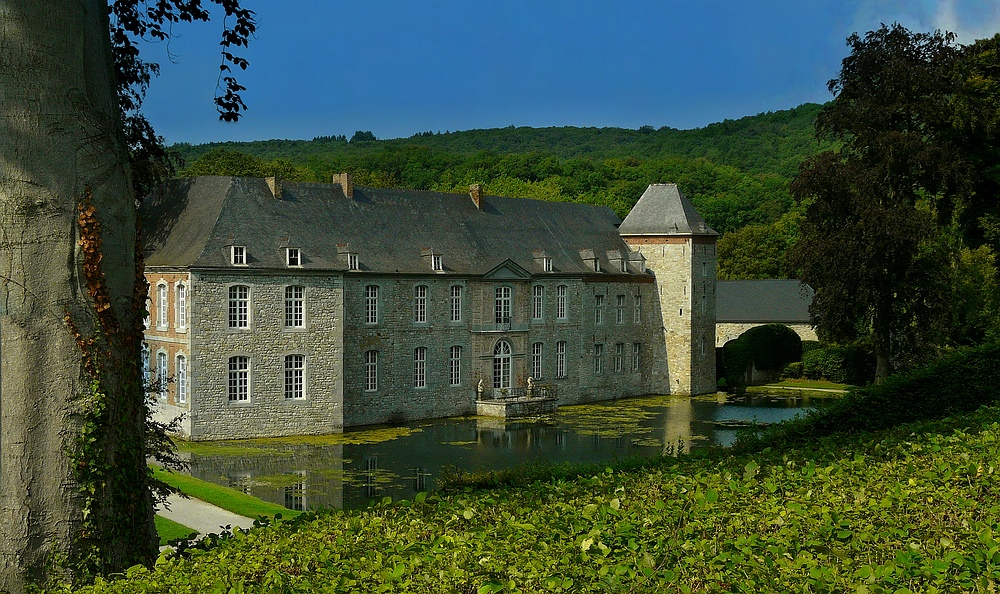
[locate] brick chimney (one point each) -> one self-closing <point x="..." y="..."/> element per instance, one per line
<point x="274" y="183"/>
<point x="476" y="192"/>
<point x="346" y="182"/>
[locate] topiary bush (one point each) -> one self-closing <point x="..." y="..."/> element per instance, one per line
<point x="851" y="364"/>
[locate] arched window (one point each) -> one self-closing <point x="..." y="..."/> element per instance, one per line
<point x="161" y="306"/>
<point x="182" y="379"/>
<point x="181" y="305"/>
<point x="501" y="366"/>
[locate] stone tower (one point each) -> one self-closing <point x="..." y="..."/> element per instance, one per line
<point x="679" y="249"/>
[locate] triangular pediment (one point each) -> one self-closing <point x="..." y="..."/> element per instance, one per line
<point x="507" y="270"/>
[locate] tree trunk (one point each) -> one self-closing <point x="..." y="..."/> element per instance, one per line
<point x="60" y="134"/>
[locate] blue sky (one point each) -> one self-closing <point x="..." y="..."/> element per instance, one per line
<point x="398" y="67"/>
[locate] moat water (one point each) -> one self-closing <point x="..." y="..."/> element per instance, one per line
<point x="360" y="466"/>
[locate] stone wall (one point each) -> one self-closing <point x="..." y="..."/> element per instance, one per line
<point x="684" y="268"/>
<point x="266" y="342"/>
<point x="731" y="331"/>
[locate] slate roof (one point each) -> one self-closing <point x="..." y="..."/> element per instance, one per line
<point x="664" y="210"/>
<point x="192" y="223"/>
<point x="762" y="301"/>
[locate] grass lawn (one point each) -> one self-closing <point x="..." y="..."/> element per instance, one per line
<point x="171" y="530"/>
<point x="806" y="384"/>
<point x="228" y="499"/>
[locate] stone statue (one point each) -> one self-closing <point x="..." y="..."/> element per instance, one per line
<point x="480" y="388"/>
<point x="531" y="385"/>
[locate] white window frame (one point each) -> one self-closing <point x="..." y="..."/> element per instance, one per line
<point x="619" y="357"/>
<point x="162" y="373"/>
<point x="293" y="257"/>
<point x="162" y="306"/>
<point x="620" y="312"/>
<point x="370" y="363"/>
<point x="598" y="358"/>
<point x="503" y="296"/>
<point x="352" y="262"/>
<point x="537" y="302"/>
<point x="636" y="351"/>
<point x="561" y="359"/>
<point x="561" y="299"/>
<point x="295" y="376"/>
<point x="420" y="304"/>
<point x="436" y="262"/>
<point x="598" y="310"/>
<point x="239" y="308"/>
<point x="181" y="305"/>
<point x="637" y="313"/>
<point x="420" y="367"/>
<point x="455" y="303"/>
<point x="371" y="304"/>
<point x="547" y="264"/>
<point x="295" y="306"/>
<point x="180" y="363"/>
<point x="238" y="384"/>
<point x="536" y="360"/>
<point x="147" y="372"/>
<point x="455" y="365"/>
<point x="238" y="255"/>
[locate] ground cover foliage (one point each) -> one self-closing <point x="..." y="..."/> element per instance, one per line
<point x="912" y="508"/>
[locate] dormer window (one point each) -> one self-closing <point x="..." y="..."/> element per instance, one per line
<point x="436" y="263"/>
<point x="293" y="257"/>
<point x="239" y="255"/>
<point x="597" y="265"/>
<point x="547" y="264"/>
<point x="352" y="262"/>
<point x="543" y="259"/>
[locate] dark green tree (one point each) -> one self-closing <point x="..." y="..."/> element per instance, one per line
<point x="868" y="242"/>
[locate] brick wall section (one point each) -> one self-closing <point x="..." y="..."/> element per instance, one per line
<point x="170" y="336"/>
<point x="266" y="342"/>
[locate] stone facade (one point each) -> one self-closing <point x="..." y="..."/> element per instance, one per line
<point x="286" y="332"/>
<point x="724" y="332"/>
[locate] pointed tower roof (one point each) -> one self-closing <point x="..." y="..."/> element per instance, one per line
<point x="664" y="210"/>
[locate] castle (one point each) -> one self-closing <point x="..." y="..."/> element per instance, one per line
<point x="280" y="308"/>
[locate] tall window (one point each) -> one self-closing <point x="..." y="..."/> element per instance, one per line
<point x="620" y="311"/>
<point x="561" y="358"/>
<point x="501" y="305"/>
<point x="455" y="366"/>
<point x="420" y="304"/>
<point x="161" y="306"/>
<point x="182" y="381"/>
<point x="636" y="349"/>
<point x="239" y="306"/>
<point x="637" y="312"/>
<point x="181" y="305"/>
<point x="239" y="379"/>
<point x="146" y="372"/>
<point x="420" y="367"/>
<point x="295" y="307"/>
<point x="455" y="303"/>
<point x="619" y="357"/>
<point x="536" y="360"/>
<point x="537" y="301"/>
<point x="598" y="309"/>
<point x="371" y="304"/>
<point x="704" y="305"/>
<point x="161" y="373"/>
<point x="501" y="365"/>
<point x="598" y="358"/>
<point x="371" y="371"/>
<point x="561" y="302"/>
<point x="295" y="377"/>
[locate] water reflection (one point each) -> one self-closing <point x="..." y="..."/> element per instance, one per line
<point x="357" y="467"/>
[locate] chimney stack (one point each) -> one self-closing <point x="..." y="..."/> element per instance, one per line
<point x="476" y="192"/>
<point x="346" y="182"/>
<point x="274" y="184"/>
